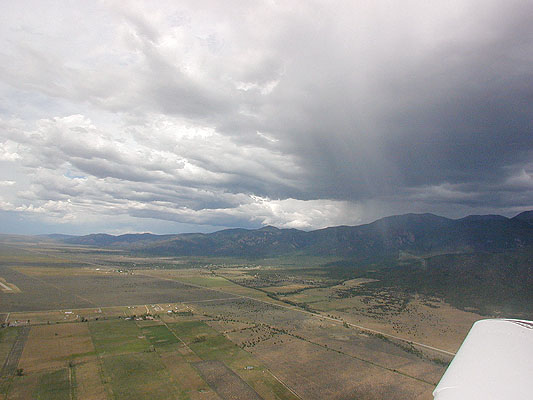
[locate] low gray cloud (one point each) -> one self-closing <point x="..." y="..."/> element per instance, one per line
<point x="286" y="113"/>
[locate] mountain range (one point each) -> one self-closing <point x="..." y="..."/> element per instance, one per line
<point x="415" y="233"/>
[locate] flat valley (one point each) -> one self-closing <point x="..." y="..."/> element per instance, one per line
<point x="101" y="322"/>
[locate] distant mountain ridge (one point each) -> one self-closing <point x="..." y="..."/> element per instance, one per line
<point x="526" y="216"/>
<point x="417" y="233"/>
<point x="106" y="240"/>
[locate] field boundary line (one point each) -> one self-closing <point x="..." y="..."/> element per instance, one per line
<point x="71" y="382"/>
<point x="192" y="351"/>
<point x="13" y="358"/>
<point x="280" y="381"/>
<point x="316" y="315"/>
<point x="399" y="338"/>
<point x="310" y="382"/>
<point x="240" y="296"/>
<point x="180" y="339"/>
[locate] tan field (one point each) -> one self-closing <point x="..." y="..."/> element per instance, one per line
<point x="53" y="346"/>
<point x="89" y="385"/>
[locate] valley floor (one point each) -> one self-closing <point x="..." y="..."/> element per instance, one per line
<point x="105" y="325"/>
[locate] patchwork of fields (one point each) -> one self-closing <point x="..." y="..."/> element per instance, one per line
<point x="99" y="330"/>
<point x="128" y="359"/>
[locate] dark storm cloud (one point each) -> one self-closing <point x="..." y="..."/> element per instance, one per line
<point x="299" y="114"/>
<point x="458" y="111"/>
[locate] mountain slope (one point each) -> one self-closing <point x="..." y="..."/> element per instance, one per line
<point x="105" y="240"/>
<point x="526" y="216"/>
<point x="417" y="233"/>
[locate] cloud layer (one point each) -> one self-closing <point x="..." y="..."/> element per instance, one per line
<point x="197" y="115"/>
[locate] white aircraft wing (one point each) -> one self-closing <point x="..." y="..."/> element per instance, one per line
<point x="495" y="362"/>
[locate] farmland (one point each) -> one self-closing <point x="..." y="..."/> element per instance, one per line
<point x="106" y="324"/>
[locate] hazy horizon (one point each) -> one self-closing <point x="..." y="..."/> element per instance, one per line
<point x="207" y="229"/>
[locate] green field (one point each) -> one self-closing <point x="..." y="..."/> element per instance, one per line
<point x="139" y="376"/>
<point x="54" y="386"/>
<point x="117" y="337"/>
<point x="161" y="338"/>
<point x="207" y="343"/>
<point x="132" y="360"/>
<point x="7" y="337"/>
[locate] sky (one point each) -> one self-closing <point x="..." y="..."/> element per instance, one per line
<point x="194" y="116"/>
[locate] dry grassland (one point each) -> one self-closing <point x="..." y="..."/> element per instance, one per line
<point x="229" y="326"/>
<point x="53" y="346"/>
<point x="440" y="325"/>
<point x="384" y="353"/>
<point x="316" y="357"/>
<point x="207" y="280"/>
<point x="133" y="310"/>
<point x="317" y="373"/>
<point x="7" y="338"/>
<point x="139" y="376"/>
<point x="225" y="382"/>
<point x="188" y="378"/>
<point x="24" y="387"/>
<point x="431" y="322"/>
<point x="351" y="283"/>
<point x="210" y="345"/>
<point x="89" y="385"/>
<point x="310" y="296"/>
<point x="148" y="322"/>
<point x="42" y="317"/>
<point x="64" y="271"/>
<point x="367" y="351"/>
<point x="19" y="256"/>
<point x="286" y="288"/>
